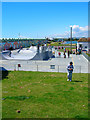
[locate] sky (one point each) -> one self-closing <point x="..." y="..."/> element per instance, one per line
<point x="44" y="19"/>
<point x="45" y="0"/>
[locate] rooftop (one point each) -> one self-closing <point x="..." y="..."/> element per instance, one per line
<point x="84" y="40"/>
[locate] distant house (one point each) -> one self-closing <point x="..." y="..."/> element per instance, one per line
<point x="84" y="44"/>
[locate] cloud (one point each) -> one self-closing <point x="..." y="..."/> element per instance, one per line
<point x="77" y="31"/>
<point x="65" y="34"/>
<point x="78" y="28"/>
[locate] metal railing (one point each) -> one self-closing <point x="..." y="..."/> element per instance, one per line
<point x="44" y="68"/>
<point x="86" y="56"/>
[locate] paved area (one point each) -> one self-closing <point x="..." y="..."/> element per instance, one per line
<point x="79" y="61"/>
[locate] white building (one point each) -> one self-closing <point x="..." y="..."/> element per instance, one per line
<point x="84" y="43"/>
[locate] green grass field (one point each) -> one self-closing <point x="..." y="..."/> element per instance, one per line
<point x="44" y="95"/>
<point x="60" y="44"/>
<point x="62" y="50"/>
<point x="88" y="54"/>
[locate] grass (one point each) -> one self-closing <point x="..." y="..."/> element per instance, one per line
<point x="62" y="50"/>
<point x="60" y="44"/>
<point x="44" y="95"/>
<point x="88" y="54"/>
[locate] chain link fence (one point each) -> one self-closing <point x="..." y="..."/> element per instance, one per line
<point x="44" y="68"/>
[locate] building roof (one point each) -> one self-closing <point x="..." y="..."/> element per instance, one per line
<point x="84" y="40"/>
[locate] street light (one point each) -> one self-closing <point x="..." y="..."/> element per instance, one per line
<point x="71" y="39"/>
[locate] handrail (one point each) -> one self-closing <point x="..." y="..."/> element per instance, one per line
<point x="86" y="56"/>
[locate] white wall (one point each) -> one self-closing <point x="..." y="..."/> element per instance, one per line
<point x="84" y="45"/>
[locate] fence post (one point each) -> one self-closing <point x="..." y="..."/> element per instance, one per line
<point x="19" y="65"/>
<point x="14" y="67"/>
<point x="58" y="68"/>
<point x="80" y="69"/>
<point x="37" y="67"/>
<point x="18" y="68"/>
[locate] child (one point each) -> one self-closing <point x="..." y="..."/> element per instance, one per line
<point x="70" y="70"/>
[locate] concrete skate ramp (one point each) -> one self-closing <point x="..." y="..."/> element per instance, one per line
<point x="23" y="54"/>
<point x="6" y="53"/>
<point x="41" y="56"/>
<point x="27" y="54"/>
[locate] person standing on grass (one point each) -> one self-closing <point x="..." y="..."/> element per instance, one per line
<point x="70" y="70"/>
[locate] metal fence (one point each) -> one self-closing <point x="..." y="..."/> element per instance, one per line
<point x="86" y="56"/>
<point x="44" y="68"/>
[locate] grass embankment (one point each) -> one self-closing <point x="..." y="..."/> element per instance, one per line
<point x="44" y="95"/>
<point x="60" y="44"/>
<point x="88" y="54"/>
<point x="62" y="50"/>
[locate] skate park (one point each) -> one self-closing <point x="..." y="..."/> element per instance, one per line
<point x="42" y="59"/>
<point x="39" y="56"/>
<point x="32" y="53"/>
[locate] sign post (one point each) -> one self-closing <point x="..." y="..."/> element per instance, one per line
<point x="19" y="65"/>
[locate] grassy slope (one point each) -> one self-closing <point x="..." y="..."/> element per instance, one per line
<point x="88" y="54"/>
<point x="45" y="95"/>
<point x="62" y="50"/>
<point x="60" y="44"/>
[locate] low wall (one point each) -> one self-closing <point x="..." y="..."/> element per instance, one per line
<point x="86" y="56"/>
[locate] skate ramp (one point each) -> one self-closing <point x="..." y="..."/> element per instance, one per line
<point x="21" y="55"/>
<point x="27" y="54"/>
<point x="3" y="54"/>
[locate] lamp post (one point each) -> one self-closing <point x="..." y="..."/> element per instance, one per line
<point x="71" y="40"/>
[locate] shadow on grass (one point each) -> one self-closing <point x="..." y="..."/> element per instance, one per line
<point x="3" y="73"/>
<point x="76" y="81"/>
<point x="17" y="97"/>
